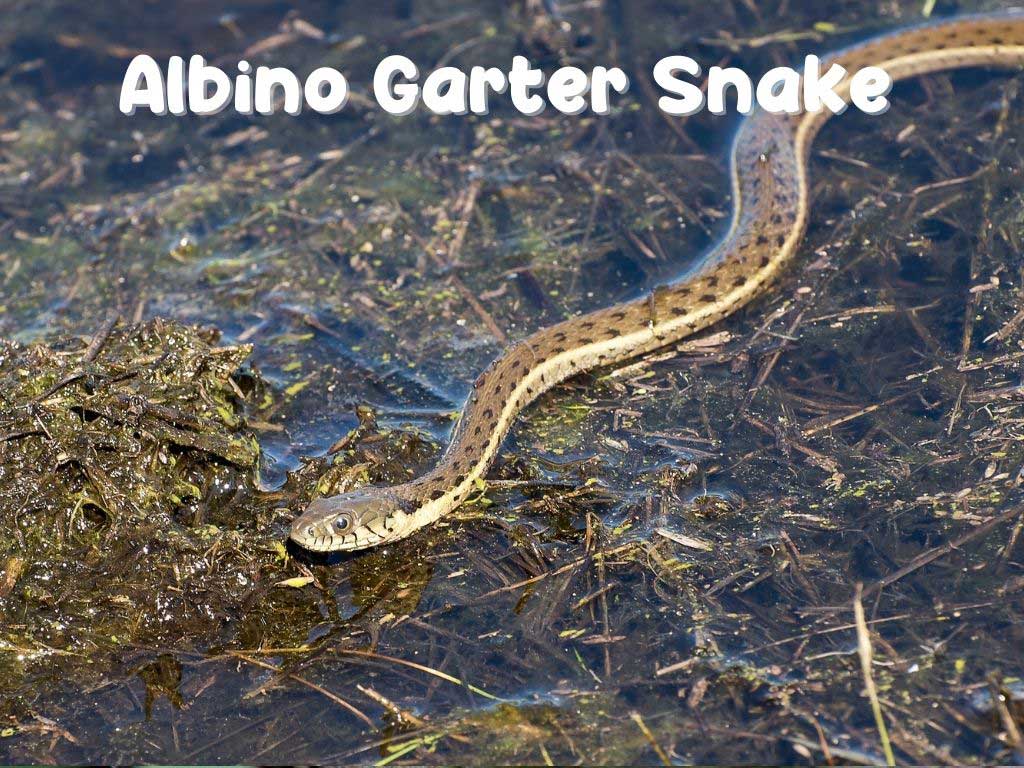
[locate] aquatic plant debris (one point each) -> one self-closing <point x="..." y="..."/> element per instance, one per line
<point x="72" y="412"/>
<point x="113" y="450"/>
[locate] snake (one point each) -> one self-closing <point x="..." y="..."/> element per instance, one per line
<point x="768" y="166"/>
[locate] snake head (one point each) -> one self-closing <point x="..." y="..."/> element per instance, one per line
<point x="350" y="521"/>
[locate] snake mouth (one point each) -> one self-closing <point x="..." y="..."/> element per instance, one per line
<point x="307" y="538"/>
<point x="314" y="539"/>
<point x="317" y="537"/>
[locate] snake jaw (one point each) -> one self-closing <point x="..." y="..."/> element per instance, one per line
<point x="350" y="521"/>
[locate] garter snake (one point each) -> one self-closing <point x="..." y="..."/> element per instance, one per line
<point x="770" y="208"/>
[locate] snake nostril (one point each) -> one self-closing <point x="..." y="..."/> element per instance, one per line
<point x="311" y="531"/>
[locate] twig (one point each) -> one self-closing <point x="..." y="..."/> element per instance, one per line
<point x="101" y="337"/>
<point x="603" y="602"/>
<point x="421" y="667"/>
<point x="822" y="427"/>
<point x="999" y="702"/>
<point x="468" y="205"/>
<point x="593" y="596"/>
<point x="952" y="182"/>
<point x="481" y="312"/>
<point x="766" y="369"/>
<point x="231" y="734"/>
<point x="674" y="200"/>
<point x="91" y="351"/>
<point x="402" y="714"/>
<point x="531" y="580"/>
<point x="944" y="549"/>
<point x="595" y="203"/>
<point x="433" y="26"/>
<point x="971" y="303"/>
<point x="864" y="651"/>
<point x="1007" y="330"/>
<point x="1004" y="555"/>
<point x="798" y="569"/>
<point x="662" y="755"/>
<point x="303" y="681"/>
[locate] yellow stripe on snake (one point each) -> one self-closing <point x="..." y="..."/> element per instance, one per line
<point x="769" y="183"/>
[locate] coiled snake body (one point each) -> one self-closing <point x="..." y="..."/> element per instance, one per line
<point x="769" y="183"/>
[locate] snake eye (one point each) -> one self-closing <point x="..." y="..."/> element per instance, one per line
<point x="342" y="523"/>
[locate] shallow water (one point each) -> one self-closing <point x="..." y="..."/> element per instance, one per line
<point x="664" y="559"/>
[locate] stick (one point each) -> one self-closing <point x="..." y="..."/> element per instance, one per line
<point x="943" y="549"/>
<point x="864" y="651"/>
<point x="101" y="337"/>
<point x="650" y="738"/>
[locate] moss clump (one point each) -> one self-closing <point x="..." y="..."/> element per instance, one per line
<point x="116" y="424"/>
<point x="117" y="455"/>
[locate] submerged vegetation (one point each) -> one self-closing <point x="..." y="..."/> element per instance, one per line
<point x="664" y="563"/>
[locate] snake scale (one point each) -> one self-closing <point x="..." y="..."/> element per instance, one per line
<point x="769" y="160"/>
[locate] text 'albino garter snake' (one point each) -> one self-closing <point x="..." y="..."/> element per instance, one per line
<point x="769" y="183"/>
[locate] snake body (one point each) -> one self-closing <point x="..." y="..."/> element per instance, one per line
<point x="769" y="183"/>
